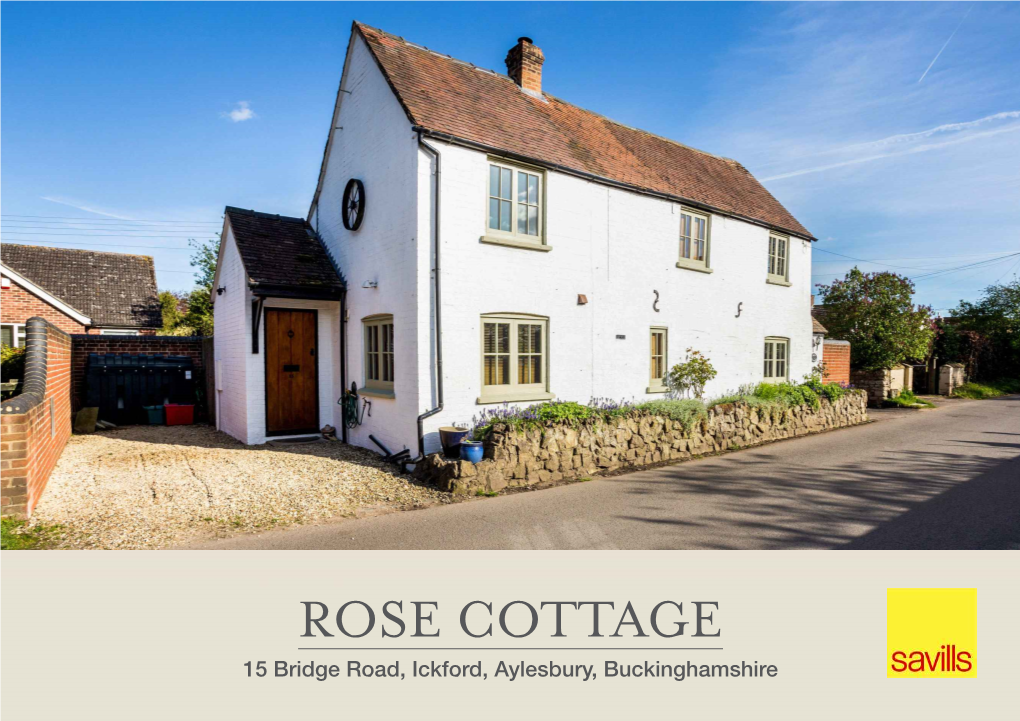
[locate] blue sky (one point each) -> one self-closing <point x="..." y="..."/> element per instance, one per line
<point x="117" y="112"/>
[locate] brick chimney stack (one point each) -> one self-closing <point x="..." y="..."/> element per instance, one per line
<point x="524" y="66"/>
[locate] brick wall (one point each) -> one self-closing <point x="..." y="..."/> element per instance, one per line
<point x="836" y="356"/>
<point x="17" y="305"/>
<point x="190" y="346"/>
<point x="35" y="426"/>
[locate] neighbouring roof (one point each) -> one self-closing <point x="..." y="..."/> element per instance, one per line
<point x="817" y="327"/>
<point x="284" y="254"/>
<point x="451" y="97"/>
<point x="112" y="289"/>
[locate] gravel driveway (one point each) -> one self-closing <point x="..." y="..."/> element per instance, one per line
<point x="161" y="486"/>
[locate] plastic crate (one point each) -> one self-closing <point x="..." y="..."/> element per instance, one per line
<point x="156" y="415"/>
<point x="179" y="414"/>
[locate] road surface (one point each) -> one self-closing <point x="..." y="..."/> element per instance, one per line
<point x="942" y="479"/>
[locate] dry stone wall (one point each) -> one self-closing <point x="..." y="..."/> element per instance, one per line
<point x="563" y="452"/>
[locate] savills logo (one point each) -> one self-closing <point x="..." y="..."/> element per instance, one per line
<point x="931" y="632"/>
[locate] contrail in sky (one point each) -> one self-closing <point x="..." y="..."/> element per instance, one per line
<point x="79" y="206"/>
<point x="947" y="43"/>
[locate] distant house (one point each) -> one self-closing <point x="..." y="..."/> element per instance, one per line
<point x="79" y="291"/>
<point x="833" y="353"/>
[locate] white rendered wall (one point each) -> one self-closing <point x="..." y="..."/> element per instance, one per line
<point x="615" y="247"/>
<point x="231" y="342"/>
<point x="378" y="147"/>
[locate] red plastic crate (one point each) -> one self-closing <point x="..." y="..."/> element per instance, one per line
<point x="179" y="415"/>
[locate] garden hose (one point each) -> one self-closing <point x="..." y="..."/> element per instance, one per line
<point x="349" y="407"/>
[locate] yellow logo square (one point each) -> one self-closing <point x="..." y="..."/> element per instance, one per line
<point x="931" y="632"/>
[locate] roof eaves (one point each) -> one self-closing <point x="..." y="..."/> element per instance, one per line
<point x="502" y="152"/>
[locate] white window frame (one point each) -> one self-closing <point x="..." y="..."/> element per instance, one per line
<point x="513" y="238"/>
<point x="771" y="360"/>
<point x="514" y="390"/>
<point x="383" y="345"/>
<point x="688" y="241"/>
<point x="17" y="333"/>
<point x="778" y="272"/>
<point x="657" y="385"/>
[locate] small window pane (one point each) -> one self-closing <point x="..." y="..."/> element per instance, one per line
<point x="7" y="335"/>
<point x="522" y="219"/>
<point x="532" y="221"/>
<point x="504" y="184"/>
<point x="493" y="213"/>
<point x="522" y="187"/>
<point x="494" y="181"/>
<point x="533" y="189"/>
<point x="504" y="215"/>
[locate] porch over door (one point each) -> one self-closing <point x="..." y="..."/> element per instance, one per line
<point x="292" y="397"/>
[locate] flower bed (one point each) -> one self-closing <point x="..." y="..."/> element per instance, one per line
<point x="522" y="449"/>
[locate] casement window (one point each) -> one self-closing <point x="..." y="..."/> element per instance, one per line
<point x="657" y="356"/>
<point x="12" y="334"/>
<point x="378" y="355"/>
<point x="694" y="241"/>
<point x="514" y="206"/>
<point x="779" y="259"/>
<point x="777" y="357"/>
<point x="515" y="358"/>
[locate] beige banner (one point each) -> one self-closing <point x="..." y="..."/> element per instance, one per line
<point x="140" y="635"/>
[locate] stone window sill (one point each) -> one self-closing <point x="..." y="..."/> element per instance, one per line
<point x="688" y="265"/>
<point x="656" y="389"/>
<point x="510" y="243"/>
<point x="776" y="281"/>
<point x="376" y="393"/>
<point x="515" y="397"/>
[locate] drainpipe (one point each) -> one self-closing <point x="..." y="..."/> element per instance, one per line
<point x="439" y="327"/>
<point x="343" y="351"/>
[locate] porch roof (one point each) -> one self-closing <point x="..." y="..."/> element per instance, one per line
<point x="284" y="256"/>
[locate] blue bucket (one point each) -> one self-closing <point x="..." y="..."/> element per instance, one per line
<point x="471" y="451"/>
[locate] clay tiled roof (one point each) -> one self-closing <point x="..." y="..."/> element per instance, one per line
<point x="817" y="327"/>
<point x="112" y="289"/>
<point x="449" y="97"/>
<point x="283" y="253"/>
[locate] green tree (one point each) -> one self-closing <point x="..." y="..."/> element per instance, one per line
<point x="204" y="261"/>
<point x="876" y="313"/>
<point x="170" y="303"/>
<point x="200" y="312"/>
<point x="996" y="316"/>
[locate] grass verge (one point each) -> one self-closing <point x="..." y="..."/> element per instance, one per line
<point x="17" y="535"/>
<point x="989" y="389"/>
<point x="907" y="399"/>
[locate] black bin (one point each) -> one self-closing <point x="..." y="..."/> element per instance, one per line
<point x="122" y="384"/>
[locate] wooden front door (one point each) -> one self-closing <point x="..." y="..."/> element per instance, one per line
<point x="292" y="396"/>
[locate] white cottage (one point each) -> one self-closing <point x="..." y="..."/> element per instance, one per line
<point x="474" y="240"/>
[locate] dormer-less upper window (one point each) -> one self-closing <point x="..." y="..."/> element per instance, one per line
<point x="779" y="259"/>
<point x="694" y="241"/>
<point x="514" y="206"/>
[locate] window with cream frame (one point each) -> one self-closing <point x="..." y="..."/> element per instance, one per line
<point x="514" y="207"/>
<point x="779" y="259"/>
<point x="378" y="355"/>
<point x="657" y="356"/>
<point x="514" y="358"/>
<point x="777" y="360"/>
<point x="695" y="232"/>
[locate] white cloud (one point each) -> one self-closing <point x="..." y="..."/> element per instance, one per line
<point x="241" y="113"/>
<point x="78" y="205"/>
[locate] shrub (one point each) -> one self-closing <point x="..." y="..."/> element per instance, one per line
<point x="687" y="412"/>
<point x="12" y="363"/>
<point x="690" y="376"/>
<point x="907" y="399"/>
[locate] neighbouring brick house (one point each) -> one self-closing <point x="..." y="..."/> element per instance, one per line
<point x="78" y="291"/>
<point x="833" y="353"/>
